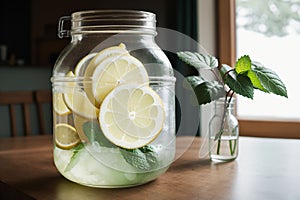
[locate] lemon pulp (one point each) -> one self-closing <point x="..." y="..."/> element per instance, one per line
<point x="66" y="136"/>
<point x="132" y="116"/>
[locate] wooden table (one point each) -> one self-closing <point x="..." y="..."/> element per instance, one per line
<point x="265" y="169"/>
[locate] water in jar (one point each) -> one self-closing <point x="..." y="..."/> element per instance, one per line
<point x="114" y="126"/>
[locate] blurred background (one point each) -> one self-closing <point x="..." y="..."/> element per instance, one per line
<point x="29" y="45"/>
<point x="267" y="30"/>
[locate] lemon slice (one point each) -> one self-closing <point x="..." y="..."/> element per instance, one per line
<point x="66" y="136"/>
<point x="132" y="116"/>
<point x="59" y="104"/>
<point x="97" y="59"/>
<point x="117" y="70"/>
<point x="77" y="101"/>
<point x="78" y="123"/>
<point x="80" y="67"/>
<point x="105" y="53"/>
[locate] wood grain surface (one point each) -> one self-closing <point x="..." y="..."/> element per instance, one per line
<point x="265" y="169"/>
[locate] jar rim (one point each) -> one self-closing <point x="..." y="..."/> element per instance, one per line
<point x="140" y="15"/>
<point x="113" y="21"/>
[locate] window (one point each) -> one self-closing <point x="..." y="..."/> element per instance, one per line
<point x="259" y="123"/>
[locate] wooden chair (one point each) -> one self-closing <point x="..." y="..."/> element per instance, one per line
<point x="12" y="99"/>
<point x="43" y="97"/>
<point x="26" y="99"/>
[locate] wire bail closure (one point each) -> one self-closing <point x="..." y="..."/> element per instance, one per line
<point x="61" y="31"/>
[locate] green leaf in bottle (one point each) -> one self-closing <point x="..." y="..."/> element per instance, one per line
<point x="242" y="79"/>
<point x="269" y="80"/>
<point x="243" y="65"/>
<point x="255" y="81"/>
<point x="206" y="91"/>
<point x="238" y="83"/>
<point x="197" y="60"/>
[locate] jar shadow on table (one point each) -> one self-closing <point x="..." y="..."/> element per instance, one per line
<point x="188" y="165"/>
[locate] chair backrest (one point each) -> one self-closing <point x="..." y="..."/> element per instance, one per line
<point x="43" y="97"/>
<point x="14" y="99"/>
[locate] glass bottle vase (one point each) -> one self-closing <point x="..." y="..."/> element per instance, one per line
<point x="223" y="132"/>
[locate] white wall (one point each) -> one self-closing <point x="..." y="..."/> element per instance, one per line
<point x="207" y="38"/>
<point x="207" y="25"/>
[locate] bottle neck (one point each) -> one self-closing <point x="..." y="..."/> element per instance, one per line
<point x="221" y="106"/>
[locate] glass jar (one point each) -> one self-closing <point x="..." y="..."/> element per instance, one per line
<point x="113" y="100"/>
<point x="223" y="132"/>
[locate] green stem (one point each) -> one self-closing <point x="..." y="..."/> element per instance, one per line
<point x="219" y="147"/>
<point x="234" y="147"/>
<point x="224" y="76"/>
<point x="226" y="105"/>
<point x="219" y="135"/>
<point x="230" y="147"/>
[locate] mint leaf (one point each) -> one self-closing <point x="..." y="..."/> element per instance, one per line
<point x="269" y="80"/>
<point x="206" y="91"/>
<point x="144" y="158"/>
<point x="243" y="65"/>
<point x="199" y="61"/>
<point x="93" y="131"/>
<point x="75" y="157"/>
<point x="256" y="82"/>
<point x="151" y="156"/>
<point x="194" y="81"/>
<point x="238" y="83"/>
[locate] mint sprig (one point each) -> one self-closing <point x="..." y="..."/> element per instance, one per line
<point x="93" y="131"/>
<point x="144" y="158"/>
<point x="75" y="157"/>
<point x="243" y="79"/>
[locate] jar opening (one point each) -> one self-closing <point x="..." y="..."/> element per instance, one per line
<point x="113" y="21"/>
